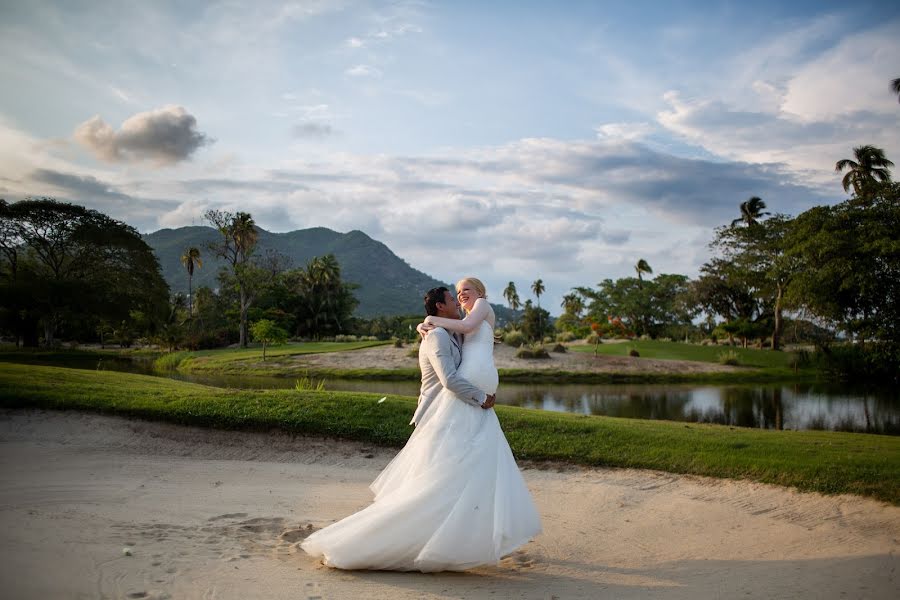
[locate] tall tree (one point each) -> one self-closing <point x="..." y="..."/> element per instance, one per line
<point x="850" y="257"/>
<point x="870" y="167"/>
<point x="758" y="255"/>
<point x="751" y="211"/>
<point x="642" y="266"/>
<point x="537" y="287"/>
<point x="75" y="266"/>
<point x="236" y="247"/>
<point x="512" y="297"/>
<point x="324" y="303"/>
<point x="895" y="87"/>
<point x="190" y="259"/>
<point x="573" y="304"/>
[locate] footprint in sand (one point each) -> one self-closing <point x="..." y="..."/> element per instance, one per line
<point x="228" y="516"/>
<point x="519" y="560"/>
<point x="314" y="592"/>
<point x="292" y="536"/>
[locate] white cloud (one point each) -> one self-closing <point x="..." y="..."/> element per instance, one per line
<point x="797" y="106"/>
<point x="851" y="77"/>
<point x="625" y="131"/>
<point x="363" y="71"/>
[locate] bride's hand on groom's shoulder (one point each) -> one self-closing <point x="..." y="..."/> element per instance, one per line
<point x="424" y="328"/>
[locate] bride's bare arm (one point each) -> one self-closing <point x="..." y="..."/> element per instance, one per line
<point x="480" y="312"/>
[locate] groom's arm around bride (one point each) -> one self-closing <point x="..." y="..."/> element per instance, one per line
<point x="439" y="358"/>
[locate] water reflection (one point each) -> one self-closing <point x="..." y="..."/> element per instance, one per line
<point x="797" y="406"/>
<point x="794" y="406"/>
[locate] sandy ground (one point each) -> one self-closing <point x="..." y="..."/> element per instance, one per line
<point x="388" y="357"/>
<point x="210" y="514"/>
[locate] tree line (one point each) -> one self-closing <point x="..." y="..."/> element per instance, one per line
<point x="68" y="272"/>
<point x="71" y="273"/>
<point x="833" y="270"/>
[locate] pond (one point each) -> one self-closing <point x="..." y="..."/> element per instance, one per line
<point x="765" y="406"/>
<point x="826" y="406"/>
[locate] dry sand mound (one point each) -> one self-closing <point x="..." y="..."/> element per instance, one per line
<point x="388" y="357"/>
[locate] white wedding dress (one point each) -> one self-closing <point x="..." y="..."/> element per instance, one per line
<point x="452" y="499"/>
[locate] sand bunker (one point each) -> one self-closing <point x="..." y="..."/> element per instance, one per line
<point x="100" y="507"/>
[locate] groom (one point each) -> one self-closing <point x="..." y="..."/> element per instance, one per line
<point x="440" y="355"/>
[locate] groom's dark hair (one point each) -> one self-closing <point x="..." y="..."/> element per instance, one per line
<point x="432" y="297"/>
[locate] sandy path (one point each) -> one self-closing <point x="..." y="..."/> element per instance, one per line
<point x="388" y="357"/>
<point x="211" y="514"/>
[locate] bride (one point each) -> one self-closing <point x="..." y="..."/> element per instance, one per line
<point x="453" y="498"/>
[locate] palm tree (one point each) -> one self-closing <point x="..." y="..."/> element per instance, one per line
<point x="512" y="297"/>
<point x="538" y="288"/>
<point x="189" y="259"/>
<point x="244" y="233"/>
<point x="895" y="87"/>
<point x="751" y="211"/>
<point x="870" y="166"/>
<point x="572" y="304"/>
<point x="642" y="266"/>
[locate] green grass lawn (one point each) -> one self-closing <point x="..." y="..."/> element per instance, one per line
<point x="749" y="357"/>
<point x="229" y="360"/>
<point x="829" y="462"/>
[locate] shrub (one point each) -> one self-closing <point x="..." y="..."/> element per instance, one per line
<point x="207" y="340"/>
<point x="398" y="343"/>
<point x="169" y="361"/>
<point x="533" y="351"/>
<point x="872" y="361"/>
<point x="346" y="338"/>
<point x="559" y="348"/>
<point x="565" y="336"/>
<point x="305" y="384"/>
<point x="413" y="351"/>
<point x="799" y="359"/>
<point x="514" y="338"/>
<point x="593" y="339"/>
<point x="729" y="357"/>
<point x="548" y="339"/>
<point x="633" y="352"/>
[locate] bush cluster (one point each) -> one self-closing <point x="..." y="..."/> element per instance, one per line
<point x="873" y="361"/>
<point x="729" y="357"/>
<point x="514" y="338"/>
<point x="533" y="351"/>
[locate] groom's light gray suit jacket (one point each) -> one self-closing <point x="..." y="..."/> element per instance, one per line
<point x="439" y="359"/>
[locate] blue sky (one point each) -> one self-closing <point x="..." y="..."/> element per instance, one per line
<point x="509" y="140"/>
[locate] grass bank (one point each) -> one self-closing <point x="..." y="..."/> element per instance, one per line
<point x="748" y="357"/>
<point x="248" y="360"/>
<point x="829" y="462"/>
<point x="757" y="366"/>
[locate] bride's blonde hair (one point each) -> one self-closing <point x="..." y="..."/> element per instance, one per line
<point x="476" y="283"/>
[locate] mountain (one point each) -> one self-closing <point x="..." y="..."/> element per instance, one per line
<point x="387" y="284"/>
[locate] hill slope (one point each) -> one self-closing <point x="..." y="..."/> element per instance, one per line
<point x="387" y="284"/>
